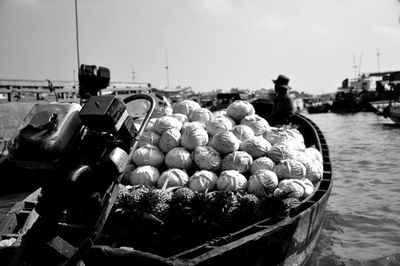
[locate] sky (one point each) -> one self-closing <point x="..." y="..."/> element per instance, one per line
<point x="206" y="44"/>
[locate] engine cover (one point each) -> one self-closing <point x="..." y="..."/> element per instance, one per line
<point x="46" y="136"/>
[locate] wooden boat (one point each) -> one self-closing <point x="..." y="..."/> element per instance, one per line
<point x="355" y="94"/>
<point x="325" y="108"/>
<point x="388" y="109"/>
<point x="393" y="112"/>
<point x="318" y="107"/>
<point x="284" y="239"/>
<point x="48" y="231"/>
<point x="15" y="224"/>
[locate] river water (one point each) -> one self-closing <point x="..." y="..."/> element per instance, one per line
<point x="362" y="225"/>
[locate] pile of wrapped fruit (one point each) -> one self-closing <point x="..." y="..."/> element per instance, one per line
<point x="198" y="172"/>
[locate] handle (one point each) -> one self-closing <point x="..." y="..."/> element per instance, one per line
<point x="134" y="97"/>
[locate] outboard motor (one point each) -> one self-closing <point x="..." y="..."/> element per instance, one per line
<point x="48" y="136"/>
<point x="87" y="149"/>
<point x="49" y="139"/>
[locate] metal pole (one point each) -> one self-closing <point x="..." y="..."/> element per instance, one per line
<point x="73" y="76"/>
<point x="77" y="33"/>
<point x="378" y="54"/>
<point x="359" y="65"/>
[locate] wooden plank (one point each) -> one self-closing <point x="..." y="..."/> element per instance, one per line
<point x="61" y="247"/>
<point x="8" y="226"/>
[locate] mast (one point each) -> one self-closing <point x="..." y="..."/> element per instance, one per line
<point x="359" y="65"/>
<point x="354" y="66"/>
<point x="378" y="54"/>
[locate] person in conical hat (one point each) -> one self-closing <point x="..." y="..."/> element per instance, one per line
<point x="283" y="104"/>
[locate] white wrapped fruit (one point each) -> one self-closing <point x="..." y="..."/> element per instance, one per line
<point x="239" y="109"/>
<point x="256" y="146"/>
<point x="169" y="140"/>
<point x="292" y="188"/>
<point x="203" y="181"/>
<point x="281" y="151"/>
<point x="220" y="113"/>
<point x="193" y="137"/>
<point x="297" y="188"/>
<point x="290" y="137"/>
<point x="295" y="134"/>
<point x="185" y="107"/>
<point x="192" y="126"/>
<point x="181" y="118"/>
<point x="149" y="137"/>
<point x="162" y="111"/>
<point x="219" y="124"/>
<point x="174" y="177"/>
<point x="146" y="175"/>
<point x="315" y="172"/>
<point x="207" y="158"/>
<point x="314" y="154"/>
<point x="314" y="168"/>
<point x="164" y="123"/>
<point x="308" y="187"/>
<point x="202" y="115"/>
<point x="295" y="140"/>
<point x="231" y="180"/>
<point x="178" y="158"/>
<point x="262" y="183"/>
<point x="295" y="144"/>
<point x="242" y="132"/>
<point x="276" y="135"/>
<point x="148" y="155"/>
<point x="225" y="142"/>
<point x="257" y="123"/>
<point x="262" y="163"/>
<point x="238" y="160"/>
<point x="290" y="169"/>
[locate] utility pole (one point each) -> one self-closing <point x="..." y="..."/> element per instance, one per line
<point x="77" y="33"/>
<point x="166" y="66"/>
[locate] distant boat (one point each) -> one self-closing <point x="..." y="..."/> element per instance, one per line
<point x="393" y="112"/>
<point x="387" y="109"/>
<point x="318" y="105"/>
<point x="355" y="94"/>
<point x="323" y="108"/>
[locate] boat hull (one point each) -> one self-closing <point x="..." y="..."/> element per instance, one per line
<point x="325" y="108"/>
<point x="389" y="109"/>
<point x="281" y="240"/>
<point x="394" y="114"/>
<point x="286" y="239"/>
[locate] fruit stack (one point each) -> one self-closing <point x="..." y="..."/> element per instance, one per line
<point x="195" y="170"/>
